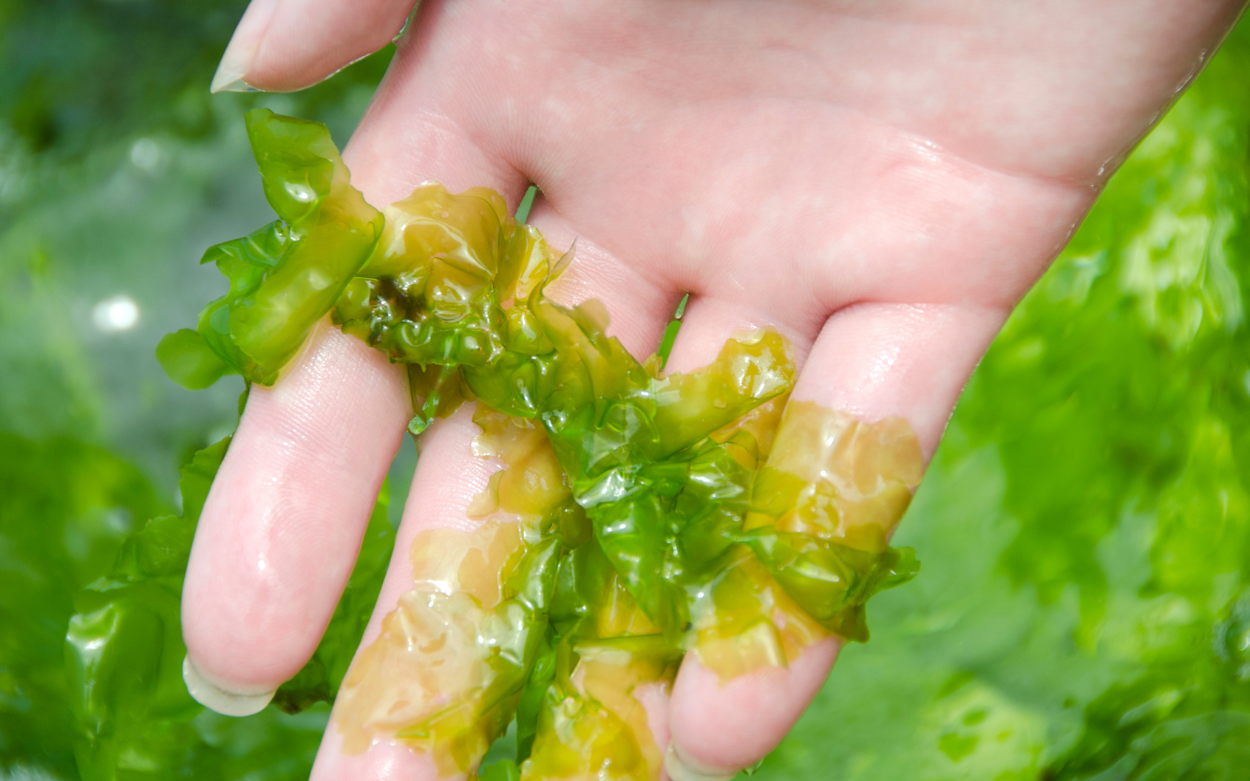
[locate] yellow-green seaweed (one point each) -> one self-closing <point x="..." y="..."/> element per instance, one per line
<point x="676" y="512"/>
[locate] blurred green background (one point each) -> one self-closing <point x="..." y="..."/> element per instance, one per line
<point x="1084" y="608"/>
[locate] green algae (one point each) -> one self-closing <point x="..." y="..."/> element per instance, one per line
<point x="673" y="529"/>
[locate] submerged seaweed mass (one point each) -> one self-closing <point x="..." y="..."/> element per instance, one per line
<point x="639" y="515"/>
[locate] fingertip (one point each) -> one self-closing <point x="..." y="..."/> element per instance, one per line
<point x="679" y="767"/>
<point x="222" y="697"/>
<point x="286" y="45"/>
<point x="382" y="761"/>
<point x="721" y="727"/>
<point x="240" y="52"/>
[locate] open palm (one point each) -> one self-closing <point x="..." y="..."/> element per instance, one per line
<point x="879" y="180"/>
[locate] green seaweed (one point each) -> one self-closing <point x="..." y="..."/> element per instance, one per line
<point x="285" y="276"/>
<point x="453" y="287"/>
<point x="1108" y="436"/>
<point x="65" y="509"/>
<point x="133" y="716"/>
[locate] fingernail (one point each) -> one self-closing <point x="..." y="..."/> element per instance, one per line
<point x="680" y="768"/>
<point x="241" y="51"/>
<point x="215" y="697"/>
<point x="224" y="82"/>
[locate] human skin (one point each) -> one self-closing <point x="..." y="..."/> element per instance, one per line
<point x="879" y="181"/>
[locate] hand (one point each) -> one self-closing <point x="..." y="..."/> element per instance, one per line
<point x="881" y="182"/>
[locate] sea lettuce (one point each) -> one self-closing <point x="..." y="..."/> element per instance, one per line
<point x="285" y="276"/>
<point x="65" y="508"/>
<point x="133" y="716"/>
<point x="687" y="511"/>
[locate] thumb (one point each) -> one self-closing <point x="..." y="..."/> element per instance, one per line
<point x="286" y="45"/>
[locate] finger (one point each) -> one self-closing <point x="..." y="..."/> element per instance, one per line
<point x="874" y="361"/>
<point x="447" y="479"/>
<point x="283" y="522"/>
<point x="438" y="498"/>
<point x="285" y="45"/>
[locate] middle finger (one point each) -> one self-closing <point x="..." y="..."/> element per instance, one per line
<point x="386" y="679"/>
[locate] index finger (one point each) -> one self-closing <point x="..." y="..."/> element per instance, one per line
<point x="284" y="520"/>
